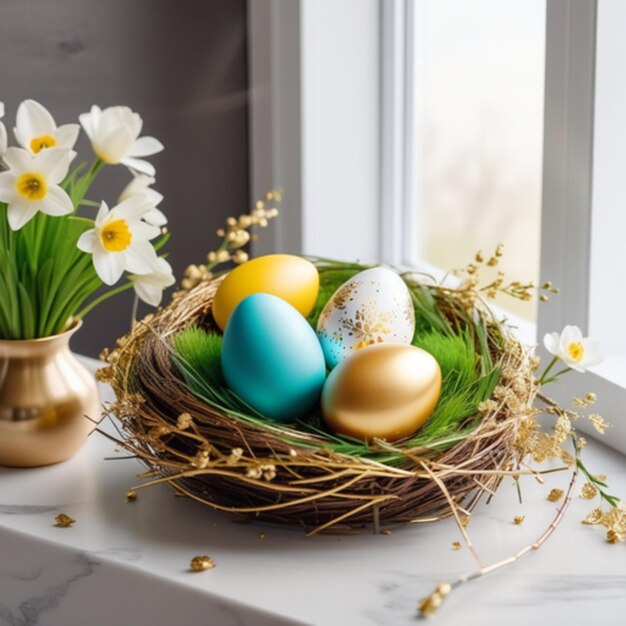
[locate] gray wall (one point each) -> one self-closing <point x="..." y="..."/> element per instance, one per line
<point x="182" y="65"/>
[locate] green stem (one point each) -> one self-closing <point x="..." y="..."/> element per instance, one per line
<point x="133" y="313"/>
<point x="102" y="298"/>
<point x="544" y="376"/>
<point x="82" y="185"/>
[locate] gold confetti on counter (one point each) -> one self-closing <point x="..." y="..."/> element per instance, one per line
<point x="201" y="563"/>
<point x="456" y="545"/>
<point x="555" y="495"/>
<point x="519" y="519"/>
<point x="64" y="521"/>
<point x="589" y="491"/>
<point x="131" y="495"/>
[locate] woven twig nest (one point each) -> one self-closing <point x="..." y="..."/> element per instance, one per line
<point x="288" y="474"/>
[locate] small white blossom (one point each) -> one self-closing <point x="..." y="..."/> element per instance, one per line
<point x="31" y="184"/>
<point x="141" y="184"/>
<point x="573" y="349"/>
<point x="36" y="130"/>
<point x="120" y="241"/>
<point x="149" y="287"/>
<point x="114" y="134"/>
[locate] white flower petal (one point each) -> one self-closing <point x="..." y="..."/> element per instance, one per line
<point x="112" y="147"/>
<point x="593" y="352"/>
<point x="120" y="117"/>
<point x="88" y="241"/>
<point x="145" y="146"/>
<point x="53" y="163"/>
<point x="109" y="265"/>
<point x="7" y="187"/>
<point x="32" y="120"/>
<point x="131" y="209"/>
<point x="20" y="212"/>
<point x="551" y="341"/>
<point x="149" y="287"/>
<point x="18" y="160"/>
<point x="90" y="121"/>
<point x="155" y="217"/>
<point x="145" y="232"/>
<point x="56" y="202"/>
<point x="141" y="184"/>
<point x="103" y="213"/>
<point x="67" y="135"/>
<point x="140" y="258"/>
<point x="569" y="335"/>
<point x="139" y="165"/>
<point x="147" y="291"/>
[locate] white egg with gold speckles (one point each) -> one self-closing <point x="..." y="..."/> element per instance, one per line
<point x="373" y="307"/>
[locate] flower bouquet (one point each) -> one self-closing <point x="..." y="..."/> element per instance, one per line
<point x="57" y="265"/>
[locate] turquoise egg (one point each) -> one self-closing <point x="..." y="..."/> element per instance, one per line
<point x="271" y="358"/>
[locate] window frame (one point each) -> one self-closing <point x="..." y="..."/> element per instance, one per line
<point x="287" y="150"/>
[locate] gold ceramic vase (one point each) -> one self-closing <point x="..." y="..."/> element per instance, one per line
<point x="45" y="396"/>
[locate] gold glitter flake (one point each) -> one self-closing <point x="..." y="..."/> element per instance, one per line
<point x="201" y="563"/>
<point x="589" y="491"/>
<point x="131" y="495"/>
<point x="64" y="521"/>
<point x="519" y="519"/>
<point x="456" y="545"/>
<point x="555" y="495"/>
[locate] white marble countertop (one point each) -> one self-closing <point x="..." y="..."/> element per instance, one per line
<point x="127" y="563"/>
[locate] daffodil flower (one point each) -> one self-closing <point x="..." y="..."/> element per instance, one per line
<point x="120" y="241"/>
<point x="36" y="130"/>
<point x="149" y="287"/>
<point x="3" y="132"/>
<point x="140" y="184"/>
<point x="32" y="184"/>
<point x="575" y="351"/>
<point x="114" y="135"/>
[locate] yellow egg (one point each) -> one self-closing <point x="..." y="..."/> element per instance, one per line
<point x="291" y="278"/>
<point x="386" y="391"/>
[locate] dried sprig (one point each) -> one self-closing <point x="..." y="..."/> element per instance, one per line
<point x="235" y="236"/>
<point x="428" y="605"/>
<point x="471" y="287"/>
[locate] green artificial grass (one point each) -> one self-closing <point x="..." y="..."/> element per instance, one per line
<point x="468" y="374"/>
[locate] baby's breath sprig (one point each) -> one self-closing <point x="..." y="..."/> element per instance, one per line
<point x="597" y="484"/>
<point x="515" y="289"/>
<point x="235" y="236"/>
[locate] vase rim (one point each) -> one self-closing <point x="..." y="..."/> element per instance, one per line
<point x="75" y="325"/>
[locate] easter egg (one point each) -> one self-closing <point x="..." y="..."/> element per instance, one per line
<point x="291" y="278"/>
<point x="271" y="358"/>
<point x="386" y="391"/>
<point x="372" y="307"/>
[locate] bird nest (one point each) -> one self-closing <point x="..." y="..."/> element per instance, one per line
<point x="210" y="449"/>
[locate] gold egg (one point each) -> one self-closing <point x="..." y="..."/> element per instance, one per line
<point x="386" y="391"/>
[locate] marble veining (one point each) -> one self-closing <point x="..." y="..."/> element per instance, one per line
<point x="25" y="509"/>
<point x="27" y="596"/>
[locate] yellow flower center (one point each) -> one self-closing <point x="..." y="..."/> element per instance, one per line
<point x="576" y="351"/>
<point x="31" y="186"/>
<point x="39" y="143"/>
<point x="116" y="236"/>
